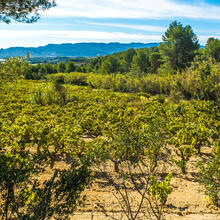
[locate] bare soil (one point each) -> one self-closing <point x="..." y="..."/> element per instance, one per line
<point x="186" y="202"/>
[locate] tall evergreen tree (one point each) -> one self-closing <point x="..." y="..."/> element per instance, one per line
<point x="155" y="61"/>
<point x="180" y="45"/>
<point x="110" y="65"/>
<point x="141" y="62"/>
<point x="128" y="59"/>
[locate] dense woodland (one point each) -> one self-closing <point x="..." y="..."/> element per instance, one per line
<point x="134" y="110"/>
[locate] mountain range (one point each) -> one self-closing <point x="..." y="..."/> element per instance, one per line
<point x="73" y="50"/>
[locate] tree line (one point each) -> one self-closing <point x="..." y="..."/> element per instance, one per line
<point x="38" y="71"/>
<point x="178" y="51"/>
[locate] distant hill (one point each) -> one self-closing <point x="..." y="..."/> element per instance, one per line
<point x="73" y="50"/>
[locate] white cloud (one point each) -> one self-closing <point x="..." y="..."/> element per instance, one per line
<point x="130" y="26"/>
<point x="29" y="38"/>
<point x="133" y="9"/>
<point x="204" y="38"/>
<point x="34" y="37"/>
<point x="77" y="34"/>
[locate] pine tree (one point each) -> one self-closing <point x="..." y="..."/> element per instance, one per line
<point x="26" y="11"/>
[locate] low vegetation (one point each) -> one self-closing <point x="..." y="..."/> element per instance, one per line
<point x="192" y="84"/>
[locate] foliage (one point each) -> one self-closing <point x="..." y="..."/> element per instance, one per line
<point x="212" y="49"/>
<point x="70" y="67"/>
<point x="190" y="130"/>
<point x="135" y="153"/>
<point x="58" y="59"/>
<point x="201" y="83"/>
<point x="132" y="62"/>
<point x="33" y="142"/>
<point x="179" y="45"/>
<point x="51" y="94"/>
<point x="133" y="131"/>
<point x="141" y="63"/>
<point x="210" y="176"/>
<point x="128" y="59"/>
<point x="110" y="65"/>
<point x="38" y="71"/>
<point x="155" y="61"/>
<point x="61" y="67"/>
<point x="159" y="191"/>
<point x="15" y="67"/>
<point x="23" y="10"/>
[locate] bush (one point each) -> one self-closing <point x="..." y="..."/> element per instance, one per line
<point x="200" y="83"/>
<point x="15" y="67"/>
<point x="49" y="94"/>
<point x="209" y="177"/>
<point x="135" y="153"/>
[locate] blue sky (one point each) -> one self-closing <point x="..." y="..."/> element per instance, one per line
<point x="113" y="21"/>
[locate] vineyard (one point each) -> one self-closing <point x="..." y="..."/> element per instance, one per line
<point x="108" y="133"/>
<point x="61" y="142"/>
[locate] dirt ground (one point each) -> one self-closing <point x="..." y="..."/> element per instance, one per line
<point x="186" y="202"/>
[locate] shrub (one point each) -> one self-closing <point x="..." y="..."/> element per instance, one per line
<point x="135" y="154"/>
<point x="209" y="176"/>
<point x="200" y="83"/>
<point x="15" y="67"/>
<point x="49" y="94"/>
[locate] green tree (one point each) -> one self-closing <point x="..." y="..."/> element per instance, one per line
<point x="43" y="70"/>
<point x="180" y="45"/>
<point x="70" y="67"/>
<point x="212" y="49"/>
<point x="15" y="67"/>
<point x="23" y="10"/>
<point x="128" y="59"/>
<point x="110" y="65"/>
<point x="61" y="67"/>
<point x="141" y="62"/>
<point x="79" y="69"/>
<point x="50" y="68"/>
<point x="155" y="61"/>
